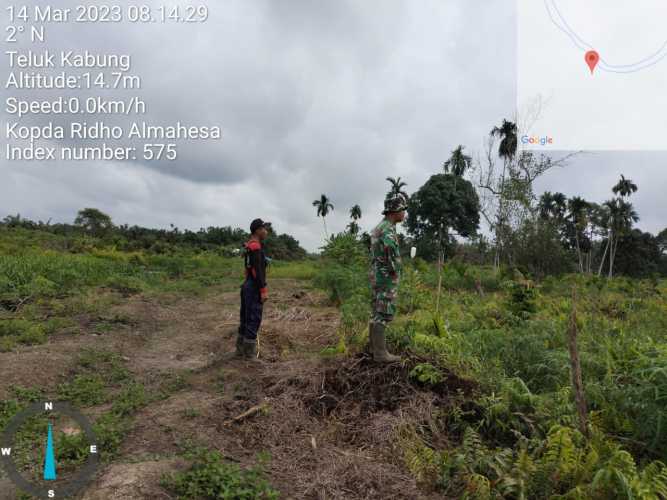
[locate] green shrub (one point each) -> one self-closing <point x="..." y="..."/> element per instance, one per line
<point x="341" y="283"/>
<point x="130" y="399"/>
<point x="126" y="285"/>
<point x="346" y="249"/>
<point x="522" y="299"/>
<point x="426" y="373"/>
<point x="7" y="344"/>
<point x="211" y="477"/>
<point x="72" y="449"/>
<point x="110" y="430"/>
<point x="84" y="390"/>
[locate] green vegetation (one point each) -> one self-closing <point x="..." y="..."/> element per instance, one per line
<point x="93" y="229"/>
<point x="210" y="476"/>
<point x="519" y="437"/>
<point x="496" y="314"/>
<point x="50" y="277"/>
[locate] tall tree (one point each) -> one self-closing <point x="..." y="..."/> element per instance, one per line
<point x="324" y="206"/>
<point x="545" y="206"/>
<point x="437" y="209"/>
<point x="638" y="255"/>
<point x="619" y="214"/>
<point x="624" y="187"/>
<point x="559" y="205"/>
<point x="396" y="187"/>
<point x="353" y="227"/>
<point x="458" y="162"/>
<point x="622" y="216"/>
<point x="355" y="215"/>
<point x="507" y="133"/>
<point x="94" y="221"/>
<point x="662" y="240"/>
<point x="578" y="215"/>
<point x="552" y="206"/>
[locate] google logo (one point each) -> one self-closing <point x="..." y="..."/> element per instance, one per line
<point x="542" y="141"/>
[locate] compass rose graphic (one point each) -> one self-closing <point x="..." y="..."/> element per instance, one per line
<point x="53" y="485"/>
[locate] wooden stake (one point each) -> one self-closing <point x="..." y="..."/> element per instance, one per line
<point x="248" y="413"/>
<point x="577" y="381"/>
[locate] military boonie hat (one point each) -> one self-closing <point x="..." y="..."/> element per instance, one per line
<point x="257" y="223"/>
<point x="395" y="203"/>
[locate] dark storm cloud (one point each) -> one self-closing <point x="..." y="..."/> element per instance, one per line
<point x="313" y="97"/>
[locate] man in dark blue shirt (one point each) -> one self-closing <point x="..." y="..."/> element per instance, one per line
<point x="253" y="291"/>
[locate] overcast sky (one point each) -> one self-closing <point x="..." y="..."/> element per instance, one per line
<point x="313" y="97"/>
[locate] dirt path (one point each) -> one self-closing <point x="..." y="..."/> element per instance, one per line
<point x="319" y="447"/>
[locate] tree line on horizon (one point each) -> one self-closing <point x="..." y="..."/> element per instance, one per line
<point x="539" y="235"/>
<point x="93" y="223"/>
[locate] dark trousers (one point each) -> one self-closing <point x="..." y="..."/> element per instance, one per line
<point x="251" y="311"/>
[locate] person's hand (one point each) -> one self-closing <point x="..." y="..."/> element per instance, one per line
<point x="264" y="295"/>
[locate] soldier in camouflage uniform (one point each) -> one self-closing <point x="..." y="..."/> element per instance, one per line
<point x="385" y="273"/>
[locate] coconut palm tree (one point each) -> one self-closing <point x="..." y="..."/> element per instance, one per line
<point x="397" y="186"/>
<point x="324" y="206"/>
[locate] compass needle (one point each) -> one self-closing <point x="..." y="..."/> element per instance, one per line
<point x="50" y="458"/>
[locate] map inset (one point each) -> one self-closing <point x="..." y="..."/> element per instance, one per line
<point x="592" y="74"/>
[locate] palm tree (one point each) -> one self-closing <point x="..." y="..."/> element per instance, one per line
<point x="355" y="215"/>
<point x="324" y="206"/>
<point x="507" y="151"/>
<point x="397" y="186"/>
<point x="617" y="216"/>
<point x="458" y="162"/>
<point x="552" y="206"/>
<point x="578" y="212"/>
<point x="508" y="140"/>
<point x="622" y="216"/>
<point x="603" y="221"/>
<point x="546" y="205"/>
<point x="625" y="187"/>
<point x="560" y="205"/>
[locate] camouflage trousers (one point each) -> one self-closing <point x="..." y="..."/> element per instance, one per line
<point x="383" y="305"/>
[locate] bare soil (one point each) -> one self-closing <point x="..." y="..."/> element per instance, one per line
<point x="329" y="424"/>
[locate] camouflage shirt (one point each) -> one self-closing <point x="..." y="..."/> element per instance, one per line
<point x="385" y="268"/>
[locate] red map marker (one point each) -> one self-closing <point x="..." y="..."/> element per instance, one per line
<point x="592" y="59"/>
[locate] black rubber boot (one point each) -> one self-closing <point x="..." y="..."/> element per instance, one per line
<point x="370" y="337"/>
<point x="379" y="345"/>
<point x="238" y="353"/>
<point x="250" y="350"/>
